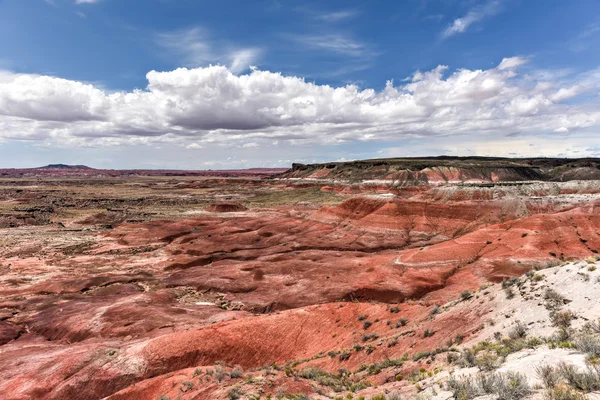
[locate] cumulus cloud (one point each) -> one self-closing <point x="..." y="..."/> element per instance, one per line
<point x="214" y="106"/>
<point x="479" y="13"/>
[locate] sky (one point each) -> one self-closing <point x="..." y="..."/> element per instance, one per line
<point x="226" y="84"/>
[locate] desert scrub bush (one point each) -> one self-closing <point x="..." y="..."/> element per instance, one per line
<point x="562" y="319"/>
<point x="553" y="299"/>
<point x="510" y="386"/>
<point x="323" y="377"/>
<point x="537" y="277"/>
<point x="465" y="295"/>
<point x="463" y="389"/>
<point x="344" y="355"/>
<point x="374" y="369"/>
<point x="220" y="373"/>
<point x="367" y="325"/>
<point x="369" y="336"/>
<point x="452" y="357"/>
<point x="395" y="395"/>
<point x="234" y="393"/>
<point x="586" y="277"/>
<point x="506" y="386"/>
<point x="589" y="344"/>
<point x="395" y="310"/>
<point x="487" y="361"/>
<point x="362" y="317"/>
<point x="592" y="327"/>
<point x="563" y="392"/>
<point x="467" y="358"/>
<point x="428" y="333"/>
<point x="519" y="331"/>
<point x="435" y="310"/>
<point x="237" y="372"/>
<point x="586" y="381"/>
<point x="357" y="347"/>
<point x="401" y="322"/>
<point x="548" y="375"/>
<point x="509" y="282"/>
<point x="510" y="292"/>
<point x="562" y="345"/>
<point x="186" y="386"/>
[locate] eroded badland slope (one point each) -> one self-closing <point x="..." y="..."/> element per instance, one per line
<point x="303" y="286"/>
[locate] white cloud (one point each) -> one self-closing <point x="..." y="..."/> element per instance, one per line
<point x="336" y="42"/>
<point x="460" y="25"/>
<point x="336" y="16"/>
<point x="566" y="93"/>
<point x="193" y="146"/>
<point x="195" y="48"/>
<point x="569" y="145"/>
<point x="512" y="62"/>
<point x="590" y="30"/>
<point x="212" y="106"/>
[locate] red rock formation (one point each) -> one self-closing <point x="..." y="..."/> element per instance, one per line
<point x="152" y="301"/>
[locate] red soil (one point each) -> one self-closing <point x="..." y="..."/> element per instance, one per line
<point x="155" y="300"/>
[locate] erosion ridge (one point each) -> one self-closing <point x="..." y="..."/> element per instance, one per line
<point x="212" y="287"/>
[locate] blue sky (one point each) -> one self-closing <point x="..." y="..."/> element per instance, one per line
<point x="270" y="82"/>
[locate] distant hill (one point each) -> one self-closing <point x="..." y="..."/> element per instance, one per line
<point x="435" y="170"/>
<point x="64" y="166"/>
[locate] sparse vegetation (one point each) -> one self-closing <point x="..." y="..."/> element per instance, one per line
<point x="553" y="299"/>
<point x="369" y="336"/>
<point x="506" y="386"/>
<point x="565" y="381"/>
<point x="234" y="393"/>
<point x="519" y="331"/>
<point x="428" y="333"/>
<point x="401" y="322"/>
<point x="236" y="372"/>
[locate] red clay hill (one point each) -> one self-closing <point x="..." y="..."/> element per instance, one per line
<point x="337" y="267"/>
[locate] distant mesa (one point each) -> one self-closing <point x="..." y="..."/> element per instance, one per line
<point x="64" y="166"/>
